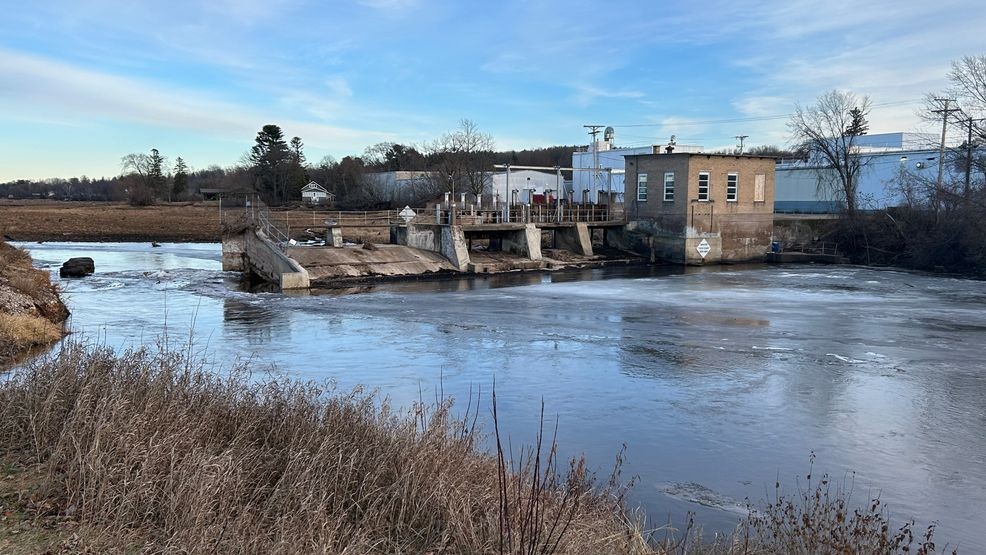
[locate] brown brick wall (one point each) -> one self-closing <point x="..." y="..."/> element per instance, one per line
<point x="745" y="225"/>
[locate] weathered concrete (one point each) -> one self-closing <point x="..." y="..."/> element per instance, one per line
<point x="328" y="263"/>
<point x="646" y="238"/>
<point x="454" y="246"/>
<point x="524" y="242"/>
<point x="575" y="238"/>
<point x="234" y="252"/>
<point x="447" y="240"/>
<point x="253" y="251"/>
<point x="333" y="237"/>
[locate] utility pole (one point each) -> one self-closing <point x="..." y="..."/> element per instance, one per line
<point x="968" y="155"/>
<point x="741" y="138"/>
<point x="945" y="112"/>
<point x="594" y="130"/>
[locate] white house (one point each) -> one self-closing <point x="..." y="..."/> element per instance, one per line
<point x="315" y="193"/>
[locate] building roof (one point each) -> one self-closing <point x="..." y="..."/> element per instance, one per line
<point x="705" y="154"/>
<point x="312" y="186"/>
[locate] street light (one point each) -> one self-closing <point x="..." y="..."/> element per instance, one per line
<point x="451" y="212"/>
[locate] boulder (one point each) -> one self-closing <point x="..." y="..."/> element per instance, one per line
<point x="77" y="267"/>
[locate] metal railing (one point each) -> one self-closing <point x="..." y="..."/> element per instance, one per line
<point x="251" y="212"/>
<point x="820" y="247"/>
<point x="527" y="214"/>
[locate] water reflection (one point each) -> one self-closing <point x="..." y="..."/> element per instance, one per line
<point x="718" y="379"/>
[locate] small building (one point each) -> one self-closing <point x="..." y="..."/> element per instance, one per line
<point x="315" y="193"/>
<point x="702" y="208"/>
<point x="589" y="186"/>
<point x="528" y="186"/>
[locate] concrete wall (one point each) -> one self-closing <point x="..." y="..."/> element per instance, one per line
<point x="450" y="241"/>
<point x="454" y="246"/>
<point x="269" y="262"/>
<point x="234" y="253"/>
<point x="523" y="242"/>
<point x="575" y="239"/>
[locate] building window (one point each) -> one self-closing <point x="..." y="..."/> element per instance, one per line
<point x="758" y="188"/>
<point x="642" y="187"/>
<point x="669" y="186"/>
<point x="732" y="180"/>
<point x="703" y="186"/>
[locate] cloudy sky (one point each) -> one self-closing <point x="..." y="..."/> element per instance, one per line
<point x="84" y="82"/>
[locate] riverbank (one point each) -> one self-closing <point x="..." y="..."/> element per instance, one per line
<point x="152" y="452"/>
<point x="31" y="313"/>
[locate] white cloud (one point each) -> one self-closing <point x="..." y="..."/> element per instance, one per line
<point x="587" y="94"/>
<point x="32" y="84"/>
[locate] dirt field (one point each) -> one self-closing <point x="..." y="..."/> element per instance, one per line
<point x="41" y="220"/>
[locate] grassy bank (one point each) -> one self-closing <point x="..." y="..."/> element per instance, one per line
<point x="149" y="452"/>
<point x="31" y="313"/>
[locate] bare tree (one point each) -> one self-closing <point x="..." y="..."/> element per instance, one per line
<point x="464" y="158"/>
<point x="828" y="130"/>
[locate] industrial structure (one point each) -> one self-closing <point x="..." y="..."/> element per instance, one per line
<point x="702" y="208"/>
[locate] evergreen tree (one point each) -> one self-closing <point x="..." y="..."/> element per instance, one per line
<point x="270" y="159"/>
<point x="180" y="183"/>
<point x="155" y="174"/>
<point x="857" y="124"/>
<point x="296" y="151"/>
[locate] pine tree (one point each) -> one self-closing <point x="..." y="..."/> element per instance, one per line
<point x="155" y="174"/>
<point x="857" y="123"/>
<point x="270" y="157"/>
<point x="180" y="184"/>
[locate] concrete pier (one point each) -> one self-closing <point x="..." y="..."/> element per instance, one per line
<point x="252" y="251"/>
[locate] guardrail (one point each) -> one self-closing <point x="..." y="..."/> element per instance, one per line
<point x="527" y="214"/>
<point x="277" y="224"/>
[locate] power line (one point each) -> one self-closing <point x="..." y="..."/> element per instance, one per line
<point x="749" y="119"/>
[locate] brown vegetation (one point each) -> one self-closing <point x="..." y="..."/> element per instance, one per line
<point x="149" y="452"/>
<point x="31" y="313"/>
<point x="108" y="221"/>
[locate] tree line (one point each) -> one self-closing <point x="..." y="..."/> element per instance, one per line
<point x="277" y="168"/>
<point x="940" y="221"/>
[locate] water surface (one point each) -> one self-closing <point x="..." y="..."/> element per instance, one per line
<point x="717" y="380"/>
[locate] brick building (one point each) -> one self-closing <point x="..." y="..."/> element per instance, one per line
<point x="724" y="203"/>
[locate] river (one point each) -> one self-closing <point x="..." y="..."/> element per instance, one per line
<point x="718" y="380"/>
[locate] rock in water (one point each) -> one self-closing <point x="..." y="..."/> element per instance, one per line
<point x="77" y="267"/>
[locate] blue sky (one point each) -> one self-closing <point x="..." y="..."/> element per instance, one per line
<point x="85" y="82"/>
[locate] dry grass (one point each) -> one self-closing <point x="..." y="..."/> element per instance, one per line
<point x="154" y="453"/>
<point x="20" y="332"/>
<point x="149" y="452"/>
<point x="12" y="258"/>
<point x="31" y="282"/>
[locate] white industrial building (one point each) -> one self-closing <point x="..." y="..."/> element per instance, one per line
<point x="891" y="163"/>
<point x="592" y="186"/>
<point x="529" y="186"/>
